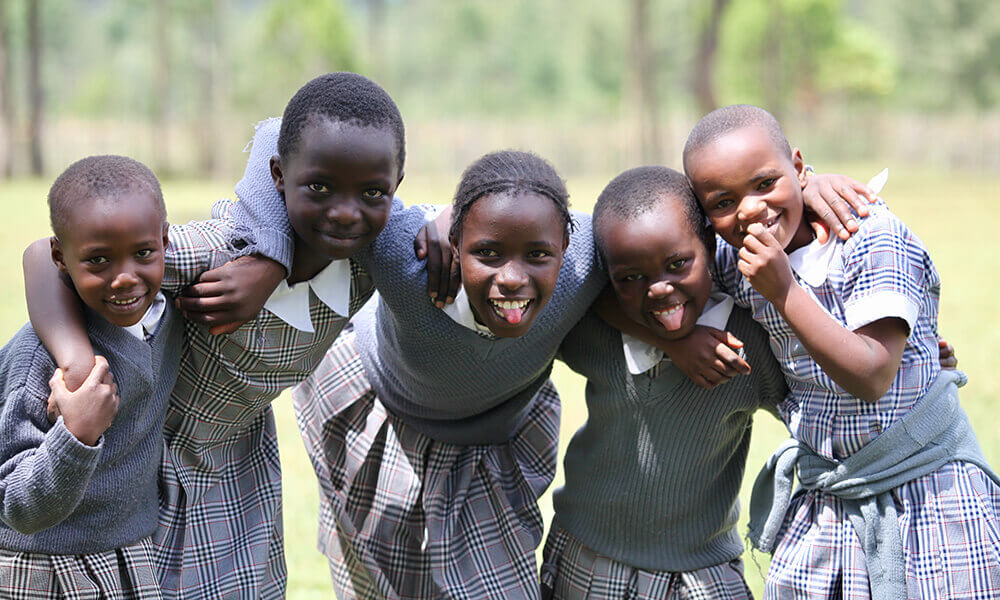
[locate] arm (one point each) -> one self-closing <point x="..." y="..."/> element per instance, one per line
<point x="56" y="313"/>
<point x="707" y="356"/>
<point x="864" y="361"/>
<point x="46" y="474"/>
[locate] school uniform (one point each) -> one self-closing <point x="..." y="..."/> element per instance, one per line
<point x="76" y="520"/>
<point x="220" y="523"/>
<point x="650" y="503"/>
<point x="946" y="519"/>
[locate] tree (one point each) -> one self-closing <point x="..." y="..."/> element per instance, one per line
<point x="35" y="99"/>
<point x="704" y="73"/>
<point x="161" y="86"/>
<point x="643" y="84"/>
<point x="6" y="102"/>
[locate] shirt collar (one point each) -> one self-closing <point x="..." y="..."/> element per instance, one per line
<point x="812" y="262"/>
<point x="149" y="321"/>
<point x="332" y="286"/>
<point x="460" y="312"/>
<point x="641" y="357"/>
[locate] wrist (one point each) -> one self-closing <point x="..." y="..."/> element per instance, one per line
<point x="86" y="433"/>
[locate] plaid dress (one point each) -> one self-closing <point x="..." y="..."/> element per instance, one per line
<point x="403" y="516"/>
<point x="120" y="574"/>
<point x="573" y="571"/>
<point x="949" y="519"/>
<point x="220" y="530"/>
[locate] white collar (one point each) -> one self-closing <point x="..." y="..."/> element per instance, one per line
<point x="149" y="321"/>
<point x="641" y="357"/>
<point x="332" y="286"/>
<point x="460" y="312"/>
<point x="812" y="262"/>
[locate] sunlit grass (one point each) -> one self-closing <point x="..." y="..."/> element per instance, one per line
<point x="943" y="208"/>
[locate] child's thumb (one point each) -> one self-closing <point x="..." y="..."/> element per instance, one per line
<point x="97" y="374"/>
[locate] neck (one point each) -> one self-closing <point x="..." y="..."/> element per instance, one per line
<point x="306" y="264"/>
<point x="804" y="236"/>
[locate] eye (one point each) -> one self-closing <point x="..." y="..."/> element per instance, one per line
<point x="373" y="194"/>
<point x="723" y="204"/>
<point x="539" y="254"/>
<point x="677" y="264"/>
<point x="765" y="184"/>
<point x="96" y="260"/>
<point x="631" y="277"/>
<point x="319" y="188"/>
<point x="487" y="253"/>
<point x="144" y="253"/>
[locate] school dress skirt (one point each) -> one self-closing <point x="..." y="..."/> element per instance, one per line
<point x="120" y="574"/>
<point x="572" y="571"/>
<point x="403" y="516"/>
<point x="950" y="526"/>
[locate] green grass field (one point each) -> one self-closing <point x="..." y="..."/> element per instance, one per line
<point x="939" y="206"/>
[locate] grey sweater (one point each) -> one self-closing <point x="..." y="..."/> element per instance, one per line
<point x="59" y="496"/>
<point x="653" y="476"/>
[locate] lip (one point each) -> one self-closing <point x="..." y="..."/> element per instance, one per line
<point x="496" y="304"/>
<point x="661" y="310"/>
<point x="339" y="235"/>
<point x="770" y="224"/>
<point x="126" y="304"/>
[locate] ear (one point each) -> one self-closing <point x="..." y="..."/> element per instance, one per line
<point x="400" y="180"/>
<point x="276" y="175"/>
<point x="800" y="167"/>
<point x="565" y="241"/>
<point x="166" y="238"/>
<point x="455" y="254"/>
<point x="57" y="254"/>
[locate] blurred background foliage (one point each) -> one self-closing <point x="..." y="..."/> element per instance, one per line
<point x="595" y="86"/>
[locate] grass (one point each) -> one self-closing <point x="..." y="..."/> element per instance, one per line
<point x="939" y="206"/>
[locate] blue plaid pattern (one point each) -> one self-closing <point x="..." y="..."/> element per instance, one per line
<point x="403" y="516"/>
<point x="120" y="574"/>
<point x="573" y="571"/>
<point x="950" y="525"/>
<point x="884" y="270"/>
<point x="220" y="531"/>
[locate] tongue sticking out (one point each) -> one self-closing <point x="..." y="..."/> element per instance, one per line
<point x="512" y="315"/>
<point x="672" y="321"/>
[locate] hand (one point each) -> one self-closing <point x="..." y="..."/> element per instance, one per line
<point x="227" y="297"/>
<point x="947" y="355"/>
<point x="443" y="273"/>
<point x="829" y="200"/>
<point x="88" y="411"/>
<point x="708" y="357"/>
<point x="764" y="263"/>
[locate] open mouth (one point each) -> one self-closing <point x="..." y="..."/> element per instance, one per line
<point x="124" y="304"/>
<point x="511" y="311"/>
<point x="670" y="317"/>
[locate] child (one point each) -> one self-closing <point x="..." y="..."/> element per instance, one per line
<point x="78" y="497"/>
<point x="650" y="504"/>
<point x="338" y="164"/>
<point x="898" y="500"/>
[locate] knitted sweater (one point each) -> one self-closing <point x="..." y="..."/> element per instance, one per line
<point x="59" y="496"/>
<point x="445" y="380"/>
<point x="653" y="476"/>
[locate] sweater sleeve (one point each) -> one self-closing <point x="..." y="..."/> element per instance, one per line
<point x="43" y="474"/>
<point x="260" y="222"/>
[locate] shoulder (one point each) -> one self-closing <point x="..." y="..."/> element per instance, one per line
<point x="880" y="229"/>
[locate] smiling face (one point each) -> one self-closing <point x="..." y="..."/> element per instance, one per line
<point x="113" y="252"/>
<point x="743" y="178"/>
<point x="658" y="268"/>
<point x="510" y="250"/>
<point x="338" y="186"/>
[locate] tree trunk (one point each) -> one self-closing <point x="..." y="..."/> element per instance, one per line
<point x="35" y="86"/>
<point x="161" y="88"/>
<point x="708" y="44"/>
<point x="6" y="102"/>
<point x="644" y="85"/>
<point x="772" y="93"/>
<point x="210" y="83"/>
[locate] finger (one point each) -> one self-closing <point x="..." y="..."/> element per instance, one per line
<point x="840" y="216"/>
<point x="455" y="280"/>
<point x="208" y="289"/>
<point x="226" y="328"/>
<point x="202" y="305"/>
<point x="821" y="230"/>
<point x="420" y="243"/>
<point x="216" y="274"/>
<point x="209" y="319"/>
<point x="754" y="243"/>
<point x="97" y="374"/>
<point x="765" y="238"/>
<point x="57" y="381"/>
<point x="444" y="281"/>
<point x="433" y="272"/>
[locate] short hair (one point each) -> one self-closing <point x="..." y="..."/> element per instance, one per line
<point x="508" y="172"/>
<point x="723" y="120"/>
<point x="105" y="176"/>
<point x="641" y="190"/>
<point x="343" y="98"/>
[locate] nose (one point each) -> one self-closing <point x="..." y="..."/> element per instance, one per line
<point x="750" y="209"/>
<point x="124" y="280"/>
<point x="511" y="276"/>
<point x="344" y="212"/>
<point x="660" y="289"/>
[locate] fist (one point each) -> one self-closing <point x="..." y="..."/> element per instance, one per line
<point x="88" y="411"/>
